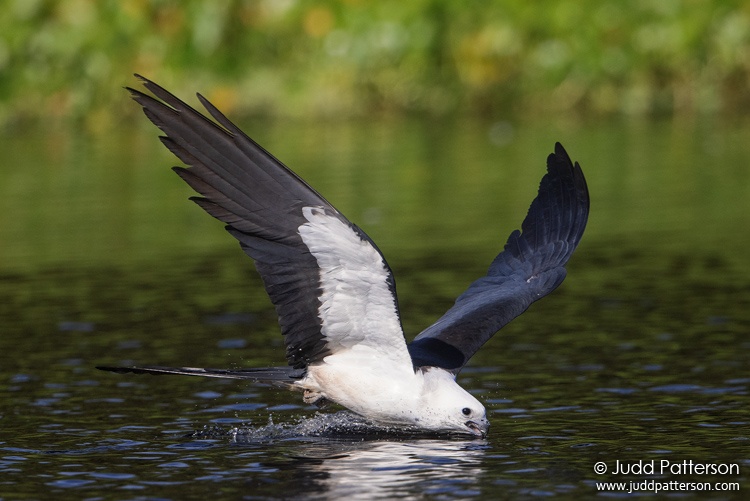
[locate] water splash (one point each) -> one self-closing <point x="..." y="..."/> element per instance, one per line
<point x="343" y="424"/>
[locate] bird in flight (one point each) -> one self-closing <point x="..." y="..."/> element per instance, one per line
<point x="333" y="291"/>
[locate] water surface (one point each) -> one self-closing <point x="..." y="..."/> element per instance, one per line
<point x="643" y="354"/>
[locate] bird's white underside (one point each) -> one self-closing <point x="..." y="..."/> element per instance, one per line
<point x="369" y="369"/>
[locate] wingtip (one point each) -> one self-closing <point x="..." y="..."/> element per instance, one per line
<point x="134" y="93"/>
<point x="145" y="81"/>
<point x="560" y="154"/>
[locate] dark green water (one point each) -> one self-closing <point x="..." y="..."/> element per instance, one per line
<point x="642" y="355"/>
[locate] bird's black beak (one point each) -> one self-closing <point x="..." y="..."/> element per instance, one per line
<point x="480" y="429"/>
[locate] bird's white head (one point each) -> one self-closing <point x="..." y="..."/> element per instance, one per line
<point x="448" y="407"/>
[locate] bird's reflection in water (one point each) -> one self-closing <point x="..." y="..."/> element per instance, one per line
<point x="334" y="455"/>
<point x="389" y="468"/>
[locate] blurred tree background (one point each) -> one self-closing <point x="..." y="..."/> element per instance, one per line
<point x="67" y="60"/>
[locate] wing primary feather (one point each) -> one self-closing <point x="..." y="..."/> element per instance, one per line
<point x="263" y="204"/>
<point x="531" y="265"/>
<point x="259" y="199"/>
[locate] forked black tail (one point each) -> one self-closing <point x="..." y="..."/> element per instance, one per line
<point x="284" y="376"/>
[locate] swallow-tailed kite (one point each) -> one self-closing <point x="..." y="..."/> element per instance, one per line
<point x="334" y="293"/>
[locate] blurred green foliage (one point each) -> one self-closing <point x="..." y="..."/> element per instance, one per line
<point x="68" y="59"/>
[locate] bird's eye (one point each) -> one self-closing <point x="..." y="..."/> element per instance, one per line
<point x="466" y="411"/>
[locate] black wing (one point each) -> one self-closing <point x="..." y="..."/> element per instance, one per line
<point x="530" y="267"/>
<point x="262" y="202"/>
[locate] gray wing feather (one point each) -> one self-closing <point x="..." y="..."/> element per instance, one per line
<point x="530" y="267"/>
